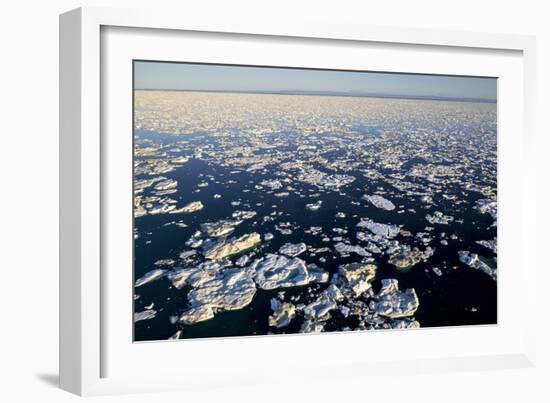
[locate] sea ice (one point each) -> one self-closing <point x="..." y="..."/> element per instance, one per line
<point x="292" y="249"/>
<point x="380" y="202"/>
<point x="219" y="228"/>
<point x="312" y="327"/>
<point x="191" y="207"/>
<point x="383" y="230"/>
<point x="405" y="257"/>
<point x="439" y="218"/>
<point x="197" y="314"/>
<point x="144" y="315"/>
<point x="319" y="309"/>
<point x="242" y="261"/>
<point x="278" y="271"/>
<point x="282" y="315"/>
<point x="149" y="276"/>
<point x="491" y="244"/>
<point x="195" y="241"/>
<point x="223" y="248"/>
<point x="393" y="303"/>
<point x="473" y="260"/>
<point x="314" y="206"/>
<point x="343" y="249"/>
<point x="357" y="276"/>
<point x="233" y="289"/>
<point x="274" y="184"/>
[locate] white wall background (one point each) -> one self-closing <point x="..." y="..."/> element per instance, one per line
<point x="29" y="200"/>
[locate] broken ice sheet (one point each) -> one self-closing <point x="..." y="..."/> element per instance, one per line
<point x="241" y="196"/>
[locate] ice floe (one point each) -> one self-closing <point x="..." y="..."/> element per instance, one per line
<point x="233" y="289"/>
<point x="392" y="302"/>
<point x="220" y="249"/>
<point x="357" y="276"/>
<point x="319" y="310"/>
<point x="384" y="230"/>
<point x="490" y="244"/>
<point x="278" y="271"/>
<point x="345" y="249"/>
<point x="293" y="249"/>
<point x="405" y="256"/>
<point x="439" y="218"/>
<point x="219" y="228"/>
<point x="197" y="314"/>
<point x="380" y="202"/>
<point x="149" y="276"/>
<point x="145" y="315"/>
<point x="314" y="206"/>
<point x="283" y="313"/>
<point x="473" y="260"/>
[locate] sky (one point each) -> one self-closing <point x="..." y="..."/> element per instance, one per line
<point x="186" y="76"/>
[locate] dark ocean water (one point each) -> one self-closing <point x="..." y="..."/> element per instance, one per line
<point x="461" y="296"/>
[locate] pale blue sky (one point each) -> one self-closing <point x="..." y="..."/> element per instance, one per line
<point x="182" y="76"/>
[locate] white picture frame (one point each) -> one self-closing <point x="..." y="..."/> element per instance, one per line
<point x="86" y="301"/>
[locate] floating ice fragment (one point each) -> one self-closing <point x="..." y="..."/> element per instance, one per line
<point x="189" y="208"/>
<point x="278" y="271"/>
<point x="474" y="261"/>
<point x="145" y="315"/>
<point x="343" y="249"/>
<point x="437" y="271"/>
<point x="195" y="241"/>
<point x="150" y="276"/>
<point x="176" y="335"/>
<point x="223" y="248"/>
<point x="274" y="184"/>
<point x="292" y="250"/>
<point x="384" y="230"/>
<point x="379" y="202"/>
<point x="405" y="257"/>
<point x="333" y="292"/>
<point x="439" y="218"/>
<point x="282" y="315"/>
<point x="314" y="206"/>
<point x="243" y="215"/>
<point x="166" y="184"/>
<point x="164" y="262"/>
<point x="242" y="261"/>
<point x="197" y="314"/>
<point x="392" y="303"/>
<point x="357" y="277"/>
<point x="491" y="244"/>
<point x="312" y="327"/>
<point x="220" y="228"/>
<point x="186" y="254"/>
<point x="233" y="289"/>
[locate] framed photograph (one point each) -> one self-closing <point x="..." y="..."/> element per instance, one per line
<point x="247" y="202"/>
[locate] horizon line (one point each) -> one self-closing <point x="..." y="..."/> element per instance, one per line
<point x="331" y="93"/>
